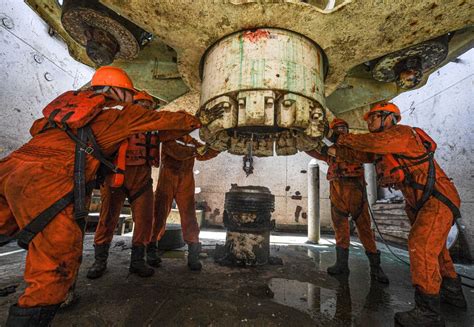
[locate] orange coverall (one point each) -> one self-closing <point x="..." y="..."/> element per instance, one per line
<point x="41" y="172"/>
<point x="137" y="183"/>
<point x="176" y="181"/>
<point x="348" y="197"/>
<point x="429" y="258"/>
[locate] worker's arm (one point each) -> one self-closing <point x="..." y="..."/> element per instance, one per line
<point x="179" y="150"/>
<point x="393" y="140"/>
<point x="141" y="120"/>
<point x="208" y="154"/>
<point x="345" y="154"/>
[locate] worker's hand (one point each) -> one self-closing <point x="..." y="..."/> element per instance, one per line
<point x="201" y="150"/>
<point x="208" y="116"/>
<point x="331" y="151"/>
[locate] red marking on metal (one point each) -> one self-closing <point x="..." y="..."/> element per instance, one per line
<point x="256" y="36"/>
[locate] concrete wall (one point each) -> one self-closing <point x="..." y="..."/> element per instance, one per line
<point x="34" y="69"/>
<point x="285" y="176"/>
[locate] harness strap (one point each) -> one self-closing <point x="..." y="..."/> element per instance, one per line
<point x="142" y="190"/>
<point x="35" y="226"/>
<point x="441" y="197"/>
<point x="80" y="210"/>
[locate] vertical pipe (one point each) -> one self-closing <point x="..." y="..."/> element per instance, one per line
<point x="370" y="179"/>
<point x="314" y="231"/>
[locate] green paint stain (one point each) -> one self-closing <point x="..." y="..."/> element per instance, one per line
<point x="241" y="52"/>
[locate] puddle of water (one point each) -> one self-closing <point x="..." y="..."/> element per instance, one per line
<point x="321" y="304"/>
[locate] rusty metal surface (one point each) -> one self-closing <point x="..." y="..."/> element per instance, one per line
<point x="350" y="34"/>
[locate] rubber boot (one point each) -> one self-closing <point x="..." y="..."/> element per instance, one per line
<point x="426" y="312"/>
<point x="152" y="257"/>
<point x="31" y="317"/>
<point x="341" y="266"/>
<point x="99" y="266"/>
<point x="451" y="292"/>
<point x="193" y="256"/>
<point x="376" y="271"/>
<point x="137" y="262"/>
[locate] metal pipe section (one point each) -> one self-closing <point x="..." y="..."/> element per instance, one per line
<point x="370" y="179"/>
<point x="314" y="217"/>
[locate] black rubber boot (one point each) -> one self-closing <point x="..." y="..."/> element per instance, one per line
<point x="342" y="262"/>
<point x="137" y="262"/>
<point x="193" y="256"/>
<point x="426" y="312"/>
<point x="376" y="271"/>
<point x="451" y="292"/>
<point x="99" y="266"/>
<point x="31" y="317"/>
<point x="152" y="257"/>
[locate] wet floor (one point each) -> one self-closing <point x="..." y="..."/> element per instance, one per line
<point x="297" y="293"/>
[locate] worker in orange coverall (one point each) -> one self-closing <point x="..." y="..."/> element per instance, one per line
<point x="348" y="197"/>
<point x="404" y="160"/>
<point x="38" y="185"/>
<point x="176" y="181"/>
<point x="142" y="151"/>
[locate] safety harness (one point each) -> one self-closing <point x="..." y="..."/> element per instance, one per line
<point x="390" y="171"/>
<point x="71" y="110"/>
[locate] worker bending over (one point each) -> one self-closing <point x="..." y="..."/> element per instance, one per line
<point x="349" y="197"/>
<point x="176" y="181"/>
<point x="141" y="153"/>
<point x="404" y="158"/>
<point x="45" y="185"/>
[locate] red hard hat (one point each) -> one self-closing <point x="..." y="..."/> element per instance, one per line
<point x="338" y="122"/>
<point x="142" y="95"/>
<point x="112" y="76"/>
<point x="384" y="106"/>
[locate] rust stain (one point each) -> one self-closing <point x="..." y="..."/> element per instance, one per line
<point x="297" y="213"/>
<point x="254" y="36"/>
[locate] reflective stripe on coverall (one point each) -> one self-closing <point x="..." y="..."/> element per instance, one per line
<point x="348" y="197"/>
<point x="429" y="258"/>
<point x="41" y="172"/>
<point x="176" y="181"/>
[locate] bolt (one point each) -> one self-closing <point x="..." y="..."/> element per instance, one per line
<point x="38" y="58"/>
<point x="48" y="77"/>
<point x="269" y="101"/>
<point x="226" y="105"/>
<point x="287" y="103"/>
<point x="241" y="102"/>
<point x="7" y="22"/>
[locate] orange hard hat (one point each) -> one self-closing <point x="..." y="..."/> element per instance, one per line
<point x="112" y="76"/>
<point x="142" y="95"/>
<point x="384" y="106"/>
<point x="338" y="122"/>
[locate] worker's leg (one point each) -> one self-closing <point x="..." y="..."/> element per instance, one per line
<point x="52" y="261"/>
<point x="8" y="225"/>
<point x="451" y="286"/>
<point x="111" y="205"/>
<point x="367" y="238"/>
<point x="187" y="209"/>
<point x="140" y="191"/>
<point x="164" y="196"/>
<point x="187" y="212"/>
<point x="112" y="200"/>
<point x="426" y="242"/>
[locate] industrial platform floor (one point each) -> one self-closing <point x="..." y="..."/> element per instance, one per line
<point x="297" y="293"/>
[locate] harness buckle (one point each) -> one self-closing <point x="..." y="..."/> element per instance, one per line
<point x="88" y="150"/>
